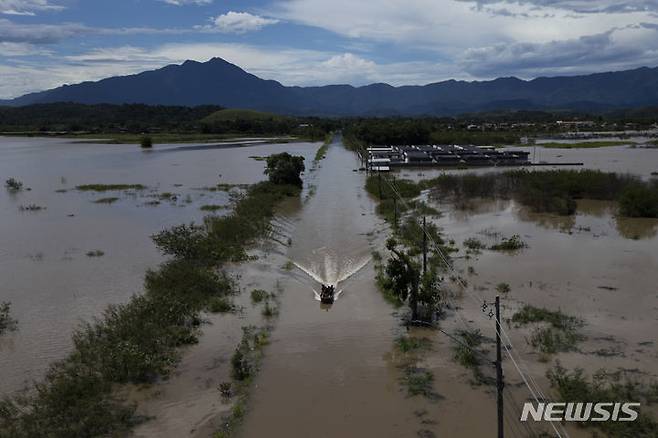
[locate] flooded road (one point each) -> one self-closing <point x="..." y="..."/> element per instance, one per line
<point x="45" y="271"/>
<point x="326" y="373"/>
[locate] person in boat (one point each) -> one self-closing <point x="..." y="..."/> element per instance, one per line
<point x="327" y="292"/>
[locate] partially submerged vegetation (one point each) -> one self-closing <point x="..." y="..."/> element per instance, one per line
<point x="212" y="207"/>
<point x="559" y="333"/>
<point x="109" y="200"/>
<point x="245" y="362"/>
<point x="31" y="207"/>
<point x="322" y="150"/>
<point x="513" y="243"/>
<point x="139" y="341"/>
<point x="109" y="187"/>
<point x="7" y="323"/>
<point x="468" y="352"/>
<point x="553" y="191"/>
<point x="574" y="386"/>
<point x="13" y="185"/>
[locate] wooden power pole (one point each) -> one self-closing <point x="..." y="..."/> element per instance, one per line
<point x="499" y="374"/>
<point x="424" y="246"/>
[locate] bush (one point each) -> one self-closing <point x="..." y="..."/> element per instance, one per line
<point x="220" y="305"/>
<point x="146" y="142"/>
<point x="513" y="243"/>
<point x="258" y="295"/>
<point x="13" y="185"/>
<point x="639" y="201"/>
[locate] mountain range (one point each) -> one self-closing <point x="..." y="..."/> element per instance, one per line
<point x="219" y="82"/>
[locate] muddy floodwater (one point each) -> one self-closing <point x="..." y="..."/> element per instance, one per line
<point x="45" y="271"/>
<point x="329" y="371"/>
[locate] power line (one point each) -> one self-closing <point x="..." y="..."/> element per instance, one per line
<point x="502" y="330"/>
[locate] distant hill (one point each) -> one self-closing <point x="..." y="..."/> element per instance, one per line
<point x="218" y="82"/>
<point x="236" y="115"/>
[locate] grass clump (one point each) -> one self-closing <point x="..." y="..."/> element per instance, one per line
<point x="31" y="207"/>
<point x="474" y="244"/>
<point x="513" y="243"/>
<point x="575" y="386"/>
<point x="269" y="310"/>
<point x="13" y="185"/>
<point x="109" y="187"/>
<point x="530" y="314"/>
<point x="212" y="207"/>
<point x="110" y="200"/>
<point x="419" y="381"/>
<point x="7" y="323"/>
<point x="467" y="352"/>
<point x="258" y="295"/>
<point x="561" y="334"/>
<point x="411" y="345"/>
<point x="220" y="305"/>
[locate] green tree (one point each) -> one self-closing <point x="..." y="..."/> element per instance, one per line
<point x="285" y="169"/>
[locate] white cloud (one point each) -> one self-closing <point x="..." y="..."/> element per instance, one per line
<point x="288" y="66"/>
<point x="616" y="49"/>
<point x="188" y="2"/>
<point x="450" y="28"/>
<point x="39" y="34"/>
<point x="21" y="49"/>
<point x="241" y="22"/>
<point x="26" y="7"/>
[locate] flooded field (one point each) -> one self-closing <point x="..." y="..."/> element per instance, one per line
<point x="329" y="371"/>
<point x="46" y="273"/>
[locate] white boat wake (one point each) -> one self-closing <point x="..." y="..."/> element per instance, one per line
<point x="332" y="274"/>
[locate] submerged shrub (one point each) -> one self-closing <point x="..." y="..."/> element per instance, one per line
<point x="639" y="201"/>
<point x="7" y="323"/>
<point x="574" y="386"/>
<point x="13" y="185"/>
<point x="146" y="142"/>
<point x="258" y="295"/>
<point x="561" y="334"/>
<point x="513" y="243"/>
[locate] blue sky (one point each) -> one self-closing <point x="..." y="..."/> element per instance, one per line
<point x="47" y="43"/>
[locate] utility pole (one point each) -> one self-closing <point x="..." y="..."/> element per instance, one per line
<point x="499" y="373"/>
<point x="395" y="213"/>
<point x="424" y="246"/>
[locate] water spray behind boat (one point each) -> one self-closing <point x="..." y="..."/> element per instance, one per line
<point x="333" y="274"/>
